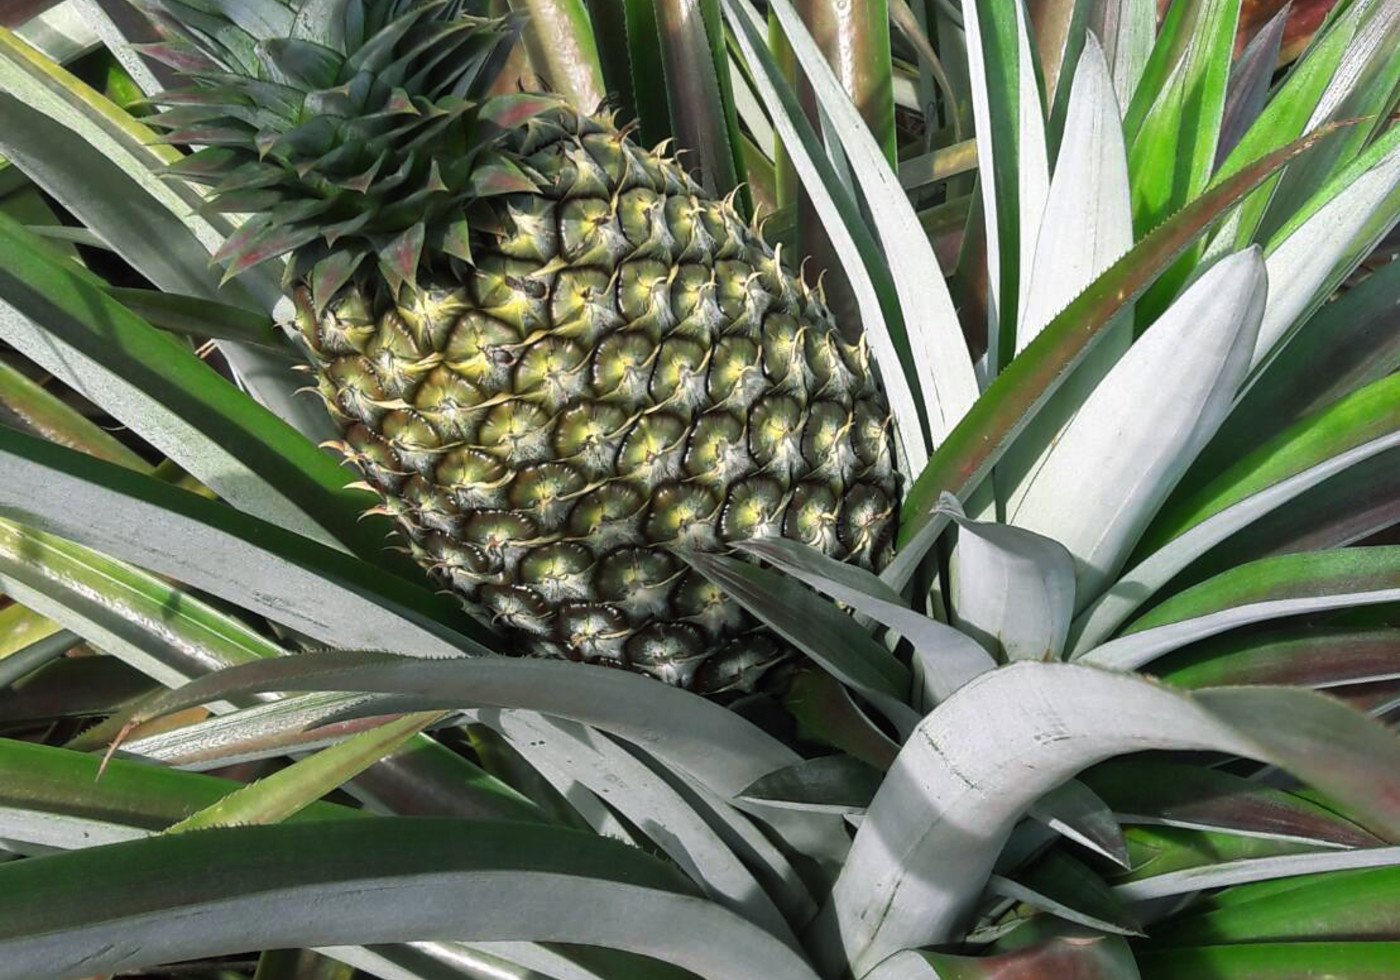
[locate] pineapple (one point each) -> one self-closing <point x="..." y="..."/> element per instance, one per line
<point x="554" y="356"/>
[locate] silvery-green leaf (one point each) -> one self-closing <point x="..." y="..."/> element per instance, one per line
<point x="817" y="627"/>
<point x="1347" y="433"/>
<point x="714" y="744"/>
<point x="944" y="658"/>
<point x="654" y="807"/>
<point x="318" y="591"/>
<point x="828" y="784"/>
<point x="768" y="862"/>
<point x="261" y="731"/>
<point x="841" y="219"/>
<point x="1255" y="869"/>
<point x="1127" y="29"/>
<point x="1011" y="158"/>
<point x="1012" y="590"/>
<point x="1312" y="254"/>
<point x="935" y="338"/>
<point x="1075" y="811"/>
<point x="1087" y="226"/>
<point x="416" y="961"/>
<point x="932" y="834"/>
<point x="277" y="796"/>
<point x="166" y="634"/>
<point x="1139" y="431"/>
<point x="1087" y="223"/>
<point x="1012" y="401"/>
<point x="718" y="748"/>
<point x="1271" y="588"/>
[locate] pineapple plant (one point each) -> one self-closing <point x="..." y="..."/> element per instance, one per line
<point x="552" y="353"/>
<point x="1114" y="697"/>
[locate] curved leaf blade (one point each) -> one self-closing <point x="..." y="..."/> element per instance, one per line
<point x="1350" y="432"/>
<point x="1011" y="402"/>
<point x="934" y="829"/>
<point x="1141" y="428"/>
<point x="60" y="318"/>
<point x="1259" y="591"/>
<point x="320" y="592"/>
<point x="366" y="881"/>
<point x="818" y="628"/>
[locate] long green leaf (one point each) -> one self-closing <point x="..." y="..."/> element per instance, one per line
<point x="1327" y="238"/>
<point x="62" y="795"/>
<point x="106" y="168"/>
<point x="719" y="749"/>
<point x="318" y="591"/>
<point x="1274" y="961"/>
<point x="1357" y="429"/>
<point x="1333" y="80"/>
<point x="289" y="791"/>
<point x="1336" y="907"/>
<point x="196" y="316"/>
<point x="1259" y="591"/>
<point x="374" y="880"/>
<point x="1348" y="344"/>
<point x="59" y="317"/>
<point x="45" y="414"/>
<point x="1364" y="417"/>
<point x="1011" y="158"/>
<point x="1009" y="404"/>
<point x="1174" y="121"/>
<point x="1306" y="655"/>
<point x="1363" y="88"/>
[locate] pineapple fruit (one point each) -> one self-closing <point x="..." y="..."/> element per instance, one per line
<point x="554" y="356"/>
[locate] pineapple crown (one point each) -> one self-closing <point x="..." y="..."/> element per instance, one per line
<point x="349" y="129"/>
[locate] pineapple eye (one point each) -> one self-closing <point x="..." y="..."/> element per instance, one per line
<point x="683" y="512"/>
<point x="754" y="509"/>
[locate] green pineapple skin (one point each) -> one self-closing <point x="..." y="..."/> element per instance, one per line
<point x="623" y="368"/>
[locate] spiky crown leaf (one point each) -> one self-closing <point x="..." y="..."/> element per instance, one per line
<point x="348" y="128"/>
